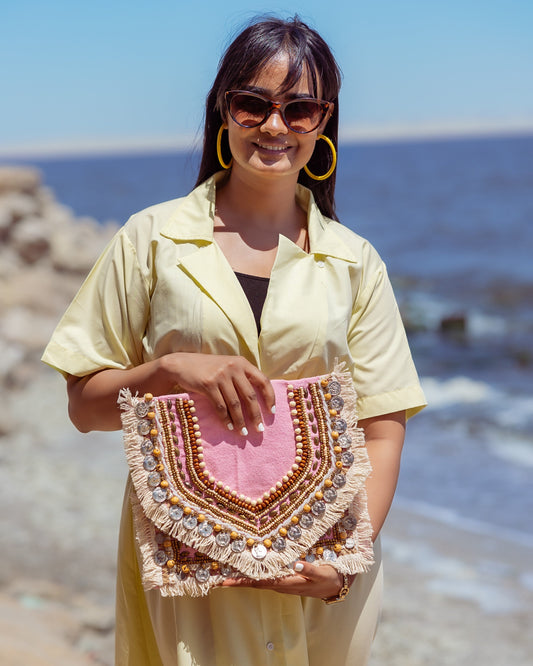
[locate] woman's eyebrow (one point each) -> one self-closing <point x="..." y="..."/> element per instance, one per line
<point x="268" y="93"/>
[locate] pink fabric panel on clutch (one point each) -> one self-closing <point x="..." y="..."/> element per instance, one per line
<point x="250" y="464"/>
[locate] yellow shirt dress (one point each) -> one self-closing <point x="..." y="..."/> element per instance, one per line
<point x="163" y="285"/>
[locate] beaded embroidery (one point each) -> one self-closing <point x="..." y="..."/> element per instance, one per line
<point x="194" y="529"/>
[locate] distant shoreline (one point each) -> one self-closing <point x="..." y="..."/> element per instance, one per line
<point x="365" y="134"/>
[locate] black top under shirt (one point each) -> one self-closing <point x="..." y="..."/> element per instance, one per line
<point x="255" y="288"/>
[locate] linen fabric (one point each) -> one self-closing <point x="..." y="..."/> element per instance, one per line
<point x="163" y="285"/>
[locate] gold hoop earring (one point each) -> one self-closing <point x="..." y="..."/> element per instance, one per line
<point x="333" y="160"/>
<point x="219" y="150"/>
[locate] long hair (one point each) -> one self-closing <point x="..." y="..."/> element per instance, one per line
<point x="309" y="54"/>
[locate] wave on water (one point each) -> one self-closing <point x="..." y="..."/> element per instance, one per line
<point x="508" y="411"/>
<point x="516" y="451"/>
<point x="457" y="390"/>
<point x="458" y="520"/>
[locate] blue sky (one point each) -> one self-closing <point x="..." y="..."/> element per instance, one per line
<point x="90" y="74"/>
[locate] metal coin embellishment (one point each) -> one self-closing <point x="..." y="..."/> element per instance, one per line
<point x="259" y="551"/>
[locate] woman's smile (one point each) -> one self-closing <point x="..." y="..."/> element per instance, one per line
<point x="272" y="147"/>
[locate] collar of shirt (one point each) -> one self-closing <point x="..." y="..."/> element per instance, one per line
<point x="193" y="220"/>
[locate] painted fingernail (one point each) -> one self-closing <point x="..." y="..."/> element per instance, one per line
<point x="230" y="426"/>
<point x="244" y="432"/>
<point x="298" y="567"/>
<point x="260" y="427"/>
<point x="273" y="409"/>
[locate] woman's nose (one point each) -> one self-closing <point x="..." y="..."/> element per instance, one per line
<point x="274" y="123"/>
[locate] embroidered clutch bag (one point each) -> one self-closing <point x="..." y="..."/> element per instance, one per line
<point x="209" y="503"/>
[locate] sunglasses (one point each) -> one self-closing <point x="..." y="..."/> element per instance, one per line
<point x="249" y="109"/>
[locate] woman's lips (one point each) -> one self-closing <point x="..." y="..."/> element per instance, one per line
<point x="272" y="147"/>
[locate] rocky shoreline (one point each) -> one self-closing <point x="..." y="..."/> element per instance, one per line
<point x="45" y="252"/>
<point x="451" y="597"/>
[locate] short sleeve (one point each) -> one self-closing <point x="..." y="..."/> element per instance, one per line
<point x="384" y="374"/>
<point x="105" y="323"/>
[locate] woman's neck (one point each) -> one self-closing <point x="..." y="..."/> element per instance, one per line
<point x="267" y="204"/>
<point x="251" y="215"/>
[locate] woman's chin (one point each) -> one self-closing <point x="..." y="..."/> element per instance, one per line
<point x="276" y="165"/>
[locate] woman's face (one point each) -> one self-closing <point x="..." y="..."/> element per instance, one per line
<point x="272" y="149"/>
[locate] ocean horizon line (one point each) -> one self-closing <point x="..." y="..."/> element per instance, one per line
<point x="94" y="147"/>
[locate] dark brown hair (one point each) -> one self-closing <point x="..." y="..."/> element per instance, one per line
<point x="308" y="53"/>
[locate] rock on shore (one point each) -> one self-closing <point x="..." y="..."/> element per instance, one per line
<point x="45" y="252"/>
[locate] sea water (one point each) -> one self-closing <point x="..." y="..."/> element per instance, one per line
<point x="453" y="220"/>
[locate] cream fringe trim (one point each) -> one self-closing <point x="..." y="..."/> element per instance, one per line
<point x="148" y="514"/>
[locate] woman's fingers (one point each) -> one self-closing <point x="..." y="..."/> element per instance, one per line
<point x="248" y="404"/>
<point x="235" y="416"/>
<point x="244" y="386"/>
<point x="308" y="580"/>
<point x="264" y="387"/>
<point x="233" y="384"/>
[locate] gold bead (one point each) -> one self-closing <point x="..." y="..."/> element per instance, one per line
<point x="337" y="547"/>
<point x="153" y="432"/>
<point x="150" y="415"/>
<point x="250" y="542"/>
<point x="338" y="464"/>
<point x="343" y="536"/>
<point x="201" y="517"/>
<point x="217" y="528"/>
<point x="334" y="434"/>
<point x="319" y="550"/>
<point x="187" y="510"/>
<point x="167" y="543"/>
<point x="295" y="520"/>
<point x="327" y="396"/>
<point x="307" y="508"/>
<point x="164" y="483"/>
<point x="148" y="397"/>
<point x="319" y="495"/>
<point x="282" y="531"/>
<point x="328" y="483"/>
<point x="324" y="382"/>
<point x="170" y="563"/>
<point x="185" y="568"/>
<point x="214" y="566"/>
<point x="174" y="499"/>
<point x="268" y="543"/>
<point x="337" y="449"/>
<point x="156" y="452"/>
<point x="234" y="535"/>
<point x="333" y="412"/>
<point x="160" y="467"/>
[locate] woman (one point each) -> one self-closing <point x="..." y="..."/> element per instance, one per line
<point x="245" y="280"/>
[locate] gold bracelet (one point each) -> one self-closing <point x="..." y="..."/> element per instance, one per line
<point x="343" y="592"/>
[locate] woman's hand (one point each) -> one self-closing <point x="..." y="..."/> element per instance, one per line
<point x="308" y="580"/>
<point x="232" y="383"/>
